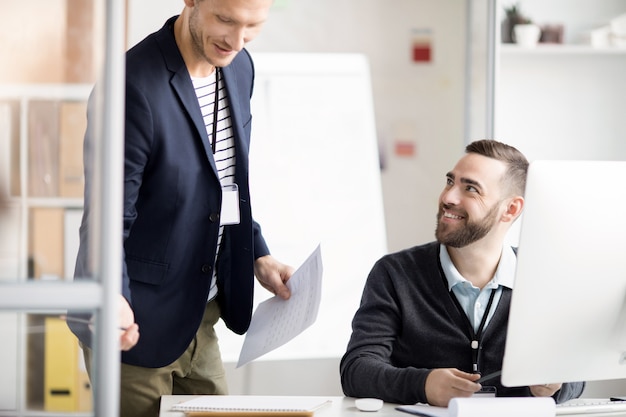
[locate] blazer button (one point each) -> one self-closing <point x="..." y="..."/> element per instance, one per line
<point x="206" y="269"/>
<point x="213" y="217"/>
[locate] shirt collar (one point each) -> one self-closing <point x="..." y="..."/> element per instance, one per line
<point x="505" y="273"/>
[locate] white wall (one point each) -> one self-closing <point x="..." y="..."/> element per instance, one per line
<point x="421" y="104"/>
<point x="563" y="105"/>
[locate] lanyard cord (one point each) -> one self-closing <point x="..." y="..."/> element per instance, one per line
<point x="216" y="96"/>
<point x="475" y="336"/>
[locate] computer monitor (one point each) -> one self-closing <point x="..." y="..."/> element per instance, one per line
<point x="568" y="309"/>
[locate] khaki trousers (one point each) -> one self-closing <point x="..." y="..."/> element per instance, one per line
<point x="198" y="371"/>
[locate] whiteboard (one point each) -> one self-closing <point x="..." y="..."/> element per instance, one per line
<point x="315" y="179"/>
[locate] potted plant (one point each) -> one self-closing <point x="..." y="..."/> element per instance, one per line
<point x="513" y="17"/>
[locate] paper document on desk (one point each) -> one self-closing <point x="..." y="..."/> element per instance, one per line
<point x="277" y="321"/>
<point x="487" y="407"/>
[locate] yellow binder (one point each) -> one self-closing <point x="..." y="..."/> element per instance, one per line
<point x="66" y="385"/>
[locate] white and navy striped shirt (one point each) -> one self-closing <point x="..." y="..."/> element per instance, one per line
<point x="225" y="142"/>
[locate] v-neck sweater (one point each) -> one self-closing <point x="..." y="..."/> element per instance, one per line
<point x="407" y="325"/>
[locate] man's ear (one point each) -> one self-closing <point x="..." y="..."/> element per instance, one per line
<point x="514" y="208"/>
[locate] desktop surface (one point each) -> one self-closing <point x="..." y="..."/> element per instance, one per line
<point x="339" y="407"/>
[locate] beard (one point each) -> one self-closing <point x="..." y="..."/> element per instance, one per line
<point x="196" y="34"/>
<point x="471" y="232"/>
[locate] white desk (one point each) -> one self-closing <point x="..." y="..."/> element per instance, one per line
<point x="340" y="407"/>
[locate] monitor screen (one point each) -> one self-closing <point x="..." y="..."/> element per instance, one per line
<point x="568" y="310"/>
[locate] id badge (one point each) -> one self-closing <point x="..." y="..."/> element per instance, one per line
<point x="230" y="205"/>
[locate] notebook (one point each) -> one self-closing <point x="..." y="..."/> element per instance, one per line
<point x="251" y="405"/>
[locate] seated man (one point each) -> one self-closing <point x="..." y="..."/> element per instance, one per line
<point x="433" y="318"/>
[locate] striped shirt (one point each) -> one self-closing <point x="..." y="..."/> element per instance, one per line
<point x="224" y="154"/>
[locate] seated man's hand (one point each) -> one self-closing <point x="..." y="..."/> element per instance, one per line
<point x="446" y="383"/>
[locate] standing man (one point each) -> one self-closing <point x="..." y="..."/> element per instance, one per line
<point x="191" y="246"/>
<point x="434" y="317"/>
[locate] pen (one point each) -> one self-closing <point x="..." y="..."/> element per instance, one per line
<point x="83" y="321"/>
<point x="489" y="376"/>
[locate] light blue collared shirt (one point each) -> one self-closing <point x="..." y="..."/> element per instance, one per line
<point x="473" y="300"/>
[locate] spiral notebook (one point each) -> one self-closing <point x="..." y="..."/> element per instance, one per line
<point x="251" y="405"/>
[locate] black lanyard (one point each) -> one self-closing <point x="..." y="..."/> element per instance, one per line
<point x="476" y="337"/>
<point x="215" y="110"/>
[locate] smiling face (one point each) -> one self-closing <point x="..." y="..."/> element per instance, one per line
<point x="219" y="29"/>
<point x="472" y="202"/>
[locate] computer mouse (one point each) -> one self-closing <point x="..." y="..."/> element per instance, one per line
<point x="368" y="404"/>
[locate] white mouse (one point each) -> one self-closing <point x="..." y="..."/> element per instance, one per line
<point x="368" y="404"/>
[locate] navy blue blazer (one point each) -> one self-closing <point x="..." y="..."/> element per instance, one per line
<point x="172" y="200"/>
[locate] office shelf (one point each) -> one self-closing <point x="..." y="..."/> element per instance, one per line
<point x="41" y="135"/>
<point x="561" y="49"/>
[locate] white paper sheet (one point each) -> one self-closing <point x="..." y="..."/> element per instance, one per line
<point x="277" y="321"/>
<point x="488" y="407"/>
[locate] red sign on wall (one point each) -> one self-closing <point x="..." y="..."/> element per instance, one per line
<point x="421" y="45"/>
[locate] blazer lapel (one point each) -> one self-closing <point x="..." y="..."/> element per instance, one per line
<point x="181" y="84"/>
<point x="183" y="87"/>
<point x="232" y="90"/>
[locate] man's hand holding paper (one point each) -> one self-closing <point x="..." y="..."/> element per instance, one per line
<point x="276" y="320"/>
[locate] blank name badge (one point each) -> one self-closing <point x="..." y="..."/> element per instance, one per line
<point x="230" y="205"/>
